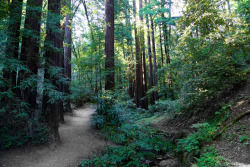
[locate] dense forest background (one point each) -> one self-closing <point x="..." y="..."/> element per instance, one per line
<point x="126" y="55"/>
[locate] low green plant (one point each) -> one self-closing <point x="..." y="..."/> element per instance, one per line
<point x="80" y="94"/>
<point x="20" y="128"/>
<point x="117" y="156"/>
<point x="244" y="138"/>
<point x="210" y="158"/>
<point x="193" y="143"/>
<point x="168" y="106"/>
<point x="231" y="136"/>
<point x="137" y="141"/>
<point x="223" y="113"/>
<point x="109" y="113"/>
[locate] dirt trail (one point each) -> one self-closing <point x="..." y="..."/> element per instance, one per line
<point x="78" y="141"/>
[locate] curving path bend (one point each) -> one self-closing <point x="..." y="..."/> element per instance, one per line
<point x="78" y="141"/>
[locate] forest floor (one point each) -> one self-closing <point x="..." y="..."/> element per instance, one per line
<point x="234" y="143"/>
<point x="79" y="141"/>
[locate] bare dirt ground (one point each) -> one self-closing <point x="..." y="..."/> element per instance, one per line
<point x="78" y="141"/>
<point x="235" y="142"/>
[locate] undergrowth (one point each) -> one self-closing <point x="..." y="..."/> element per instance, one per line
<point x="210" y="158"/>
<point x="193" y="145"/>
<point x="20" y="126"/>
<point x="136" y="141"/>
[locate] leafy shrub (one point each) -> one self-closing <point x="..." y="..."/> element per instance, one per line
<point x="138" y="142"/>
<point x="169" y="106"/>
<point x="98" y="121"/>
<point x="80" y="94"/>
<point x="19" y="126"/>
<point x="109" y="113"/>
<point x="210" y="158"/>
<point x="193" y="143"/>
<point x="116" y="156"/>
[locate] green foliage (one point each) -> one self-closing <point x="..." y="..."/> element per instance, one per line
<point x="19" y="126"/>
<point x="137" y="141"/>
<point x="207" y="56"/>
<point x="223" y="114"/>
<point x="210" y="158"/>
<point x="243" y="9"/>
<point x="117" y="156"/>
<point x="193" y="143"/>
<point x="239" y="134"/>
<point x="168" y="106"/>
<point x="110" y="109"/>
<point x="80" y="94"/>
<point x="121" y="156"/>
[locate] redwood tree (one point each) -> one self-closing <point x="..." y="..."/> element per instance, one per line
<point x="30" y="50"/>
<point x="67" y="54"/>
<point x="151" y="82"/>
<point x="52" y="56"/>
<point x="138" y="93"/>
<point x="109" y="45"/>
<point x="144" y="71"/>
<point x="10" y="70"/>
<point x="154" y="58"/>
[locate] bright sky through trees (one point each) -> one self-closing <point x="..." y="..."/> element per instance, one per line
<point x="81" y="24"/>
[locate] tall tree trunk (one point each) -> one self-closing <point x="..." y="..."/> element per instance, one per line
<point x="169" y="36"/>
<point x="10" y="73"/>
<point x="151" y="82"/>
<point x="130" y="56"/>
<point x="100" y="64"/>
<point x="138" y="93"/>
<point x="67" y="54"/>
<point x="154" y="57"/>
<point x="162" y="58"/>
<point x="144" y="76"/>
<point x="109" y="45"/>
<point x="60" y="63"/>
<point x="30" y="50"/>
<point x="52" y="56"/>
<point x="165" y="35"/>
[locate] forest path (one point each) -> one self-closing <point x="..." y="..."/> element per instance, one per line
<point x="78" y="141"/>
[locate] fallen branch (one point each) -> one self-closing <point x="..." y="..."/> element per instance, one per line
<point x="231" y="123"/>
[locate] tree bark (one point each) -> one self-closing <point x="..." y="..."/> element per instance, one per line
<point x="165" y="35"/>
<point x="30" y="50"/>
<point x="144" y="74"/>
<point x="151" y="82"/>
<point x="12" y="48"/>
<point x="52" y="56"/>
<point x="130" y="57"/>
<point x="169" y="38"/>
<point x="68" y="55"/>
<point x="162" y="58"/>
<point x="138" y="93"/>
<point x="154" y="57"/>
<point x="109" y="45"/>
